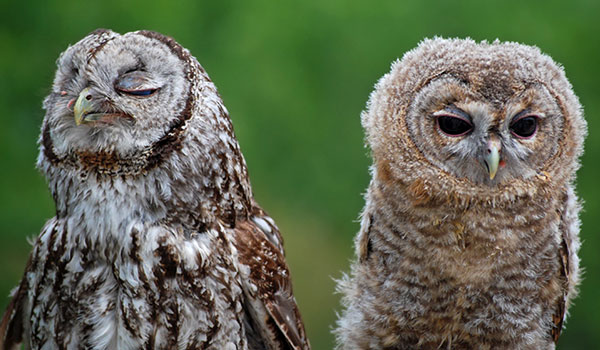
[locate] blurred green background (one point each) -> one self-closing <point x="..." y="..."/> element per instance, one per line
<point x="295" y="76"/>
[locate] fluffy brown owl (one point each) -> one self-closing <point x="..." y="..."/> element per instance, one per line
<point x="469" y="235"/>
<point x="157" y="241"/>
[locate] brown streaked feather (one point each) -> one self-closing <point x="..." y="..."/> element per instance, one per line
<point x="270" y="275"/>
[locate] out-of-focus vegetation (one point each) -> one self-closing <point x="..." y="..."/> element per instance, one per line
<point x="295" y="76"/>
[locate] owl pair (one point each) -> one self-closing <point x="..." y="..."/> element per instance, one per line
<point x="468" y="237"/>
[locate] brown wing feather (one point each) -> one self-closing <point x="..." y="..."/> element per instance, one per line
<point x="568" y="272"/>
<point x="11" y="326"/>
<point x="559" y="314"/>
<point x="269" y="273"/>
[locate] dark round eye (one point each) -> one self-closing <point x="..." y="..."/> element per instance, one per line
<point x="524" y="127"/>
<point x="454" y="126"/>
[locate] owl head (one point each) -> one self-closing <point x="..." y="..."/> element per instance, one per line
<point x="460" y="121"/>
<point x="139" y="107"/>
<point x="128" y="101"/>
<point x="118" y="93"/>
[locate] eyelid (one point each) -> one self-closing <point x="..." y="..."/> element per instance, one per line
<point x="455" y="113"/>
<point x="134" y="81"/>
<point x="525" y="114"/>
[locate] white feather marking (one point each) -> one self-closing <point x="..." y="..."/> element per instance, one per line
<point x="262" y="224"/>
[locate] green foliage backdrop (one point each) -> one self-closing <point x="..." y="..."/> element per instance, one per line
<point x="295" y="76"/>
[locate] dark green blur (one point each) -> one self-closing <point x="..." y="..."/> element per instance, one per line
<point x="295" y="76"/>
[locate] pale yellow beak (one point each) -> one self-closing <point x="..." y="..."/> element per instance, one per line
<point x="83" y="106"/>
<point x="492" y="159"/>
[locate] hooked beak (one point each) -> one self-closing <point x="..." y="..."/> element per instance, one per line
<point x="83" y="107"/>
<point x="492" y="159"/>
<point x="87" y="110"/>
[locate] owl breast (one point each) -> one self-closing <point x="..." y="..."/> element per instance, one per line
<point x="160" y="290"/>
<point x="485" y="281"/>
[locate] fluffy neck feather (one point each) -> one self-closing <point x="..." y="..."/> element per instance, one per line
<point x="201" y="182"/>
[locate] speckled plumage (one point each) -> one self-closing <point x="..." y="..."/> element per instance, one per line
<point x="450" y="254"/>
<point x="157" y="241"/>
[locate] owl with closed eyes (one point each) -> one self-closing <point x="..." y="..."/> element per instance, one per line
<point x="469" y="235"/>
<point x="157" y="242"/>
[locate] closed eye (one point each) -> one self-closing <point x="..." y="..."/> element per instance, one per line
<point x="146" y="92"/>
<point x="136" y="83"/>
